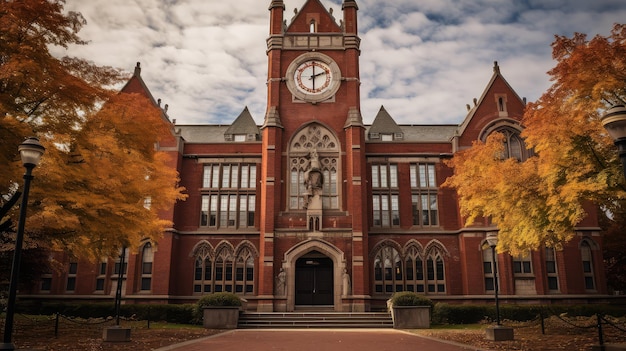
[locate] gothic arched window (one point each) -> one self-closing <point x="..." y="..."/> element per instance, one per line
<point x="317" y="139"/>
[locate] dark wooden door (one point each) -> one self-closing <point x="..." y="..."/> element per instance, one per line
<point x="314" y="281"/>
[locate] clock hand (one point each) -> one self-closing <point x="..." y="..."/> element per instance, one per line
<point x="315" y="75"/>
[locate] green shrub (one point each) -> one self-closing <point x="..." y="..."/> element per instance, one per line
<point x="444" y="313"/>
<point x="408" y="298"/>
<point x="215" y="299"/>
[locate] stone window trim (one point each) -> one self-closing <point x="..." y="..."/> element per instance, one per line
<point x="314" y="137"/>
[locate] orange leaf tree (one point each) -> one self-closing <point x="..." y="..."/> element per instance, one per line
<point x="540" y="201"/>
<point x="100" y="166"/>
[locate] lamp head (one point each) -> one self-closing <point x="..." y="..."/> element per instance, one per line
<point x="614" y="121"/>
<point x="492" y="239"/>
<point x="31" y="151"/>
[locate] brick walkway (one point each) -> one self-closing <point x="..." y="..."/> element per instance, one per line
<point x="317" y="340"/>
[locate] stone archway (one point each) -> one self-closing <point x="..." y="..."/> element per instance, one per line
<point x="310" y="246"/>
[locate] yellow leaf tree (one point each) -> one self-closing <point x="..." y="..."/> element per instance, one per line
<point x="541" y="200"/>
<point x="101" y="184"/>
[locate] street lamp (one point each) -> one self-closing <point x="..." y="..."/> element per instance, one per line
<point x="614" y="121"/>
<point x="30" y="151"/>
<point x="492" y="241"/>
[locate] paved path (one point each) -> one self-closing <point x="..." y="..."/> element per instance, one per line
<point x="317" y="340"/>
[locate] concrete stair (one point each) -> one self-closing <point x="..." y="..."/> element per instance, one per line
<point x="314" y="320"/>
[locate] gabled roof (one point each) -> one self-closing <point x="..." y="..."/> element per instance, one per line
<point x="313" y="6"/>
<point x="244" y="124"/>
<point x="136" y="85"/>
<point x="495" y="77"/>
<point x="384" y="123"/>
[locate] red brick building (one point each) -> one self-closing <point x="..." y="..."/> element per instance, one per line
<point x="315" y="208"/>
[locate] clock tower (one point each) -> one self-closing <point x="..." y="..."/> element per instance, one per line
<point x="313" y="168"/>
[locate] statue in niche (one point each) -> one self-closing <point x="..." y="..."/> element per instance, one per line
<point x="313" y="179"/>
<point x="346" y="283"/>
<point x="281" y="281"/>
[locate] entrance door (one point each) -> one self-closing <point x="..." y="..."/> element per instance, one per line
<point x="314" y="280"/>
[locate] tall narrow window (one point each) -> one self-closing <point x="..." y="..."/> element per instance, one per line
<point x="244" y="272"/>
<point x="435" y="273"/>
<point x="587" y="259"/>
<point x="488" y="270"/>
<point x="224" y="270"/>
<point x="71" y="277"/>
<point x="551" y="270"/>
<point x="202" y="278"/>
<point x="101" y="278"/>
<point x="414" y="271"/>
<point x="385" y="198"/>
<point x="116" y="271"/>
<point x="312" y="26"/>
<point x="147" y="257"/>
<point x="424" y="194"/>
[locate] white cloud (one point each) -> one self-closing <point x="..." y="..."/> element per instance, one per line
<point x="423" y="60"/>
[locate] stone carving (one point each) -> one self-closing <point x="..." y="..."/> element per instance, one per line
<point x="281" y="281"/>
<point x="314" y="179"/>
<point x="346" y="283"/>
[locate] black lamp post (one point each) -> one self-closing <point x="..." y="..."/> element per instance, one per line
<point x="30" y="151"/>
<point x="614" y="121"/>
<point x="492" y="241"/>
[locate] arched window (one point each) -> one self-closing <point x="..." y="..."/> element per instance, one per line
<point x="387" y="271"/>
<point x="224" y="271"/>
<point x="312" y="26"/>
<point x="313" y="138"/>
<point x="411" y="271"/>
<point x="223" y="278"/>
<point x="587" y="259"/>
<point x="514" y="146"/>
<point x="147" y="257"/>
<point x="414" y="270"/>
<point x="435" y="272"/>
<point x="244" y="272"/>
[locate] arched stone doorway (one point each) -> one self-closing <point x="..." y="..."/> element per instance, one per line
<point x="317" y="265"/>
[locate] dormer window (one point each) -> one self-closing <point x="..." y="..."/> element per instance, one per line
<point x="239" y="138"/>
<point x="386" y="137"/>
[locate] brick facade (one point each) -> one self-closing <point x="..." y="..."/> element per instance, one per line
<point x="378" y="238"/>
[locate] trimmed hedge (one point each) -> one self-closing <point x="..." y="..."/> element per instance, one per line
<point x="407" y="298"/>
<point x="444" y="313"/>
<point x="171" y="313"/>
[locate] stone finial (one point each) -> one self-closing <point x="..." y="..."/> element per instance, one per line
<point x="137" y="69"/>
<point x="496" y="68"/>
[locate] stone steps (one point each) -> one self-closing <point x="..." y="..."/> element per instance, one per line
<point x="315" y="320"/>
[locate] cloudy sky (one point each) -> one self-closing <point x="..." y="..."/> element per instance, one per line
<point x="424" y="60"/>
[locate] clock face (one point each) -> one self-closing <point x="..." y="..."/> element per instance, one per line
<point x="313" y="77"/>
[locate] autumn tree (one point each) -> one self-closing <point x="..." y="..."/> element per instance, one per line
<point x="541" y="200"/>
<point x="101" y="184"/>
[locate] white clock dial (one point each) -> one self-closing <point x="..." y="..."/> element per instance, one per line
<point x="313" y="77"/>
